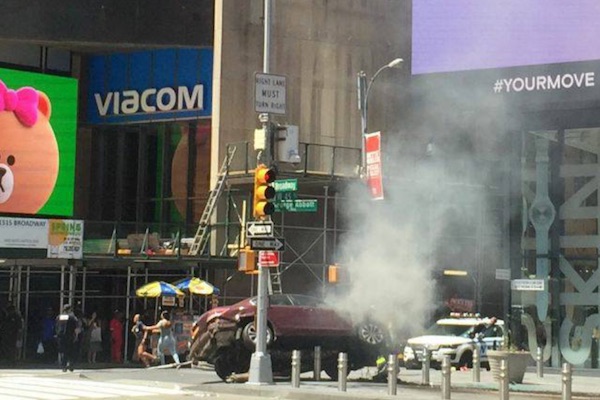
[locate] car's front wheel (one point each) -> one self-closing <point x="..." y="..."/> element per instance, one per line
<point x="249" y="334"/>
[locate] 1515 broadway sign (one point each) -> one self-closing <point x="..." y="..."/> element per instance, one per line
<point x="160" y="85"/>
<point x="32" y="238"/>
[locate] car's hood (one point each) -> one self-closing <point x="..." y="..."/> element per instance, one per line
<point x="437" y="340"/>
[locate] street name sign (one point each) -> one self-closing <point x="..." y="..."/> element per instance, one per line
<point x="270" y="93"/>
<point x="536" y="285"/>
<point x="286" y="185"/>
<point x="268" y="258"/>
<point x="267" y="243"/>
<point x="298" y="205"/>
<point x="259" y="228"/>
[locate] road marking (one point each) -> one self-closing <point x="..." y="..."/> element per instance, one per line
<point x="29" y="388"/>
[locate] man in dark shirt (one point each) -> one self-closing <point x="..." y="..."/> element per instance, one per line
<point x="66" y="323"/>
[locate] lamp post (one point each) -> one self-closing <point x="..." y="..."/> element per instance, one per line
<point x="364" y="89"/>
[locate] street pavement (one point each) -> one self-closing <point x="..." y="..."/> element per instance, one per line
<point x="134" y="383"/>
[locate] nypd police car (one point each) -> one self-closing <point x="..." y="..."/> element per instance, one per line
<point x="455" y="336"/>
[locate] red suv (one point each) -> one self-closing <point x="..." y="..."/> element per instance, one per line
<point x="225" y="336"/>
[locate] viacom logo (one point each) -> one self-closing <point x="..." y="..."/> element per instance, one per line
<point x="151" y="100"/>
<point x="544" y="82"/>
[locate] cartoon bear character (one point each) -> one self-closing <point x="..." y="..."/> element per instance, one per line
<point x="29" y="156"/>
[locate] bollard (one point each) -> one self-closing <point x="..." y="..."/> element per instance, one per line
<point x="503" y="390"/>
<point x="539" y="359"/>
<point x="446" y="377"/>
<point x="567" y="380"/>
<point x="342" y="371"/>
<point x="425" y="366"/>
<point x="317" y="367"/>
<point x="296" y="363"/>
<point x="392" y="374"/>
<point x="476" y="364"/>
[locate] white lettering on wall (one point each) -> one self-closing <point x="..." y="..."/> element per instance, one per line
<point x="151" y="100"/>
<point x="544" y="82"/>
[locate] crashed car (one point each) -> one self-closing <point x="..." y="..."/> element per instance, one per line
<point x="226" y="336"/>
<point x="456" y="337"/>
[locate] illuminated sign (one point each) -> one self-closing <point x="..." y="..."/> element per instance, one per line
<point x="38" y="123"/>
<point x="161" y="85"/>
<point x="461" y="35"/>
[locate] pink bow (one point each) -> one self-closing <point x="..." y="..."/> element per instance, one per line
<point x="23" y="102"/>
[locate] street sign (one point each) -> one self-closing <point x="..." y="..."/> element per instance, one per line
<point x="268" y="258"/>
<point x="309" y="205"/>
<point x="503" y="274"/>
<point x="259" y="228"/>
<point x="267" y="244"/>
<point x="286" y="185"/>
<point x="270" y="93"/>
<point x="536" y="285"/>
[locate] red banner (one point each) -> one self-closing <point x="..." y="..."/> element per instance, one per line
<point x="373" y="165"/>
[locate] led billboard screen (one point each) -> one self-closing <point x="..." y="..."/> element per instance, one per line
<point x="461" y="35"/>
<point x="38" y="123"/>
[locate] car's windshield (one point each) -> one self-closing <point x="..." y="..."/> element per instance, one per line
<point x="447" y="330"/>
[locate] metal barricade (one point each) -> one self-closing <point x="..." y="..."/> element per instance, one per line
<point x="317" y="364"/>
<point x="476" y="364"/>
<point x="539" y="359"/>
<point x="446" y="377"/>
<point x="567" y="381"/>
<point x="296" y="367"/>
<point x="342" y="371"/>
<point x="504" y="380"/>
<point x="392" y="374"/>
<point x="425" y="366"/>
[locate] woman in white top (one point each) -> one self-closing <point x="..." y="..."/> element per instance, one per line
<point x="166" y="341"/>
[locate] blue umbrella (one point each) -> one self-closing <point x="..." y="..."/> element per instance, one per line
<point x="157" y="289"/>
<point x="196" y="286"/>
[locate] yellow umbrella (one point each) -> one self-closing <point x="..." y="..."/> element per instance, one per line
<point x="158" y="289"/>
<point x="196" y="286"/>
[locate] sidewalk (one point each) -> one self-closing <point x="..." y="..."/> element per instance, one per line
<point x="585" y="385"/>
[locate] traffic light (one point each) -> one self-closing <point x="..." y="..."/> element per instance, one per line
<point x="263" y="191"/>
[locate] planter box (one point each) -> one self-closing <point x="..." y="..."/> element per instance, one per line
<point x="517" y="364"/>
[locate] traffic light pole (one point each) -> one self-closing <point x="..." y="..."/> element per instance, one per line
<point x="261" y="369"/>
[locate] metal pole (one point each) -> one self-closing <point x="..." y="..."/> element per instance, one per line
<point x="425" y="366"/>
<point x="317" y="366"/>
<point x="62" y="288"/>
<point x="539" y="359"/>
<point x="83" y="287"/>
<point x="446" y="377"/>
<point x="342" y="371"/>
<point x="296" y="361"/>
<point x="26" y="319"/>
<point x="567" y="381"/>
<point x="127" y="318"/>
<point x="503" y="390"/>
<point x="261" y="370"/>
<point x="392" y="374"/>
<point x="476" y="364"/>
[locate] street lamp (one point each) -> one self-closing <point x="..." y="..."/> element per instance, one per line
<point x="363" y="103"/>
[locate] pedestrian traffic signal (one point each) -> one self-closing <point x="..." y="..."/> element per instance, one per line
<point x="264" y="193"/>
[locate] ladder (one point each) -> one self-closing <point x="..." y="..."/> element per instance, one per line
<point x="274" y="281"/>
<point x="203" y="232"/>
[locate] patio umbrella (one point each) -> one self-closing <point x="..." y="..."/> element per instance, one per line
<point x="158" y="289"/>
<point x="196" y="286"/>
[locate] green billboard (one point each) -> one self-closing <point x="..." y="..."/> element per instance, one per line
<point x="38" y="124"/>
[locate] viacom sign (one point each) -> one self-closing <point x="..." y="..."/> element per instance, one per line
<point x="162" y="85"/>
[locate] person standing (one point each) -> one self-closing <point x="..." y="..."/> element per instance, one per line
<point x="95" y="343"/>
<point x="166" y="341"/>
<point x="142" y="342"/>
<point x="116" y="335"/>
<point x="66" y="336"/>
<point x="47" y="338"/>
<point x="12" y="331"/>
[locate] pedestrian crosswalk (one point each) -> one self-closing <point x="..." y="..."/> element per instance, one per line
<point x="47" y="388"/>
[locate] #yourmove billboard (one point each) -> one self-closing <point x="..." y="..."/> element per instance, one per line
<point x="38" y="121"/>
<point x="462" y="35"/>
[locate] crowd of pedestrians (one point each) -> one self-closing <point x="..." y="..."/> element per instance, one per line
<point x="68" y="338"/>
